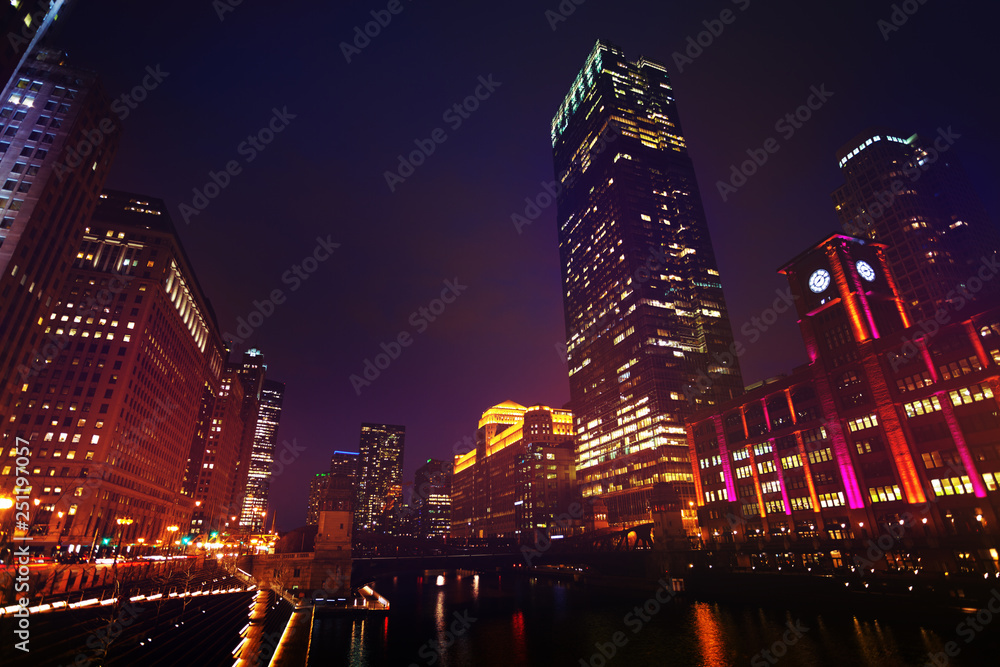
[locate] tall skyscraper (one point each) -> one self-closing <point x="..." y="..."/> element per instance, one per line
<point x="262" y="456"/>
<point x="251" y="370"/>
<point x="111" y="418"/>
<point x="380" y="478"/>
<point x="647" y="329"/>
<point x="52" y="168"/>
<point x="912" y="195"/>
<point x="432" y="498"/>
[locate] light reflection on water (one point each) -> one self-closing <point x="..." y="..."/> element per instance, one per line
<point x="544" y="622"/>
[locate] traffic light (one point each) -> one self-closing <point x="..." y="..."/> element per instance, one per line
<point x="106" y="541"/>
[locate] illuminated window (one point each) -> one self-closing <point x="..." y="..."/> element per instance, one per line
<point x="793" y="461"/>
<point x="774" y="506"/>
<point x="821" y="455"/>
<point x="801" y="503"/>
<point x="922" y="407"/>
<point x="883" y="494"/>
<point x="976" y="392"/>
<point x="951" y="486"/>
<point x="868" y="421"/>
<point x="765" y="466"/>
<point x="990" y="479"/>
<point x="773" y="486"/>
<point x="831" y="499"/>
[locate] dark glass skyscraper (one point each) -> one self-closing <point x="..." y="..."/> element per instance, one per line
<point x="911" y="194"/>
<point x="379" y="491"/>
<point x="432" y="498"/>
<point x="647" y="329"/>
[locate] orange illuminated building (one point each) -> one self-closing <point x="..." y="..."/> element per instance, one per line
<point x="887" y="422"/>
<point x="110" y="420"/>
<point x="521" y="478"/>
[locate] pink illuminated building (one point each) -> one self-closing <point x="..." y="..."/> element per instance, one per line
<point x="892" y="427"/>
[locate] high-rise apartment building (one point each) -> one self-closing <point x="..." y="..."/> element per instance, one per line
<point x="379" y="489"/>
<point x="431" y="500"/>
<point x="647" y="329"/>
<point x="110" y="419"/>
<point x="258" y="488"/>
<point x="57" y="139"/>
<point x="521" y="477"/>
<point x="912" y="195"/>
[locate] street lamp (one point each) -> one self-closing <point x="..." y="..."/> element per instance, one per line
<point x="172" y="530"/>
<point x="122" y="522"/>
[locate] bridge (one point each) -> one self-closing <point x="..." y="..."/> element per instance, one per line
<point x="613" y="552"/>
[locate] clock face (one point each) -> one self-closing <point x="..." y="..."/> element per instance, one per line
<point x="865" y="270"/>
<point x="819" y="280"/>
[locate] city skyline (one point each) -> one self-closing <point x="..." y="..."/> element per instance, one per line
<point x="724" y="116"/>
<point x="507" y="333"/>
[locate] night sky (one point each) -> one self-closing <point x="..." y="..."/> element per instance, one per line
<point x="323" y="174"/>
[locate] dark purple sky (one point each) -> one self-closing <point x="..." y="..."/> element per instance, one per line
<point x="323" y="174"/>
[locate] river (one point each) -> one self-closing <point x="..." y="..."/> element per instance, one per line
<point x="459" y="619"/>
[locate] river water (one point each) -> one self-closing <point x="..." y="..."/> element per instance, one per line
<point x="459" y="619"/>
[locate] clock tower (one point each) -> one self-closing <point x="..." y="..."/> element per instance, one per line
<point x="844" y="294"/>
